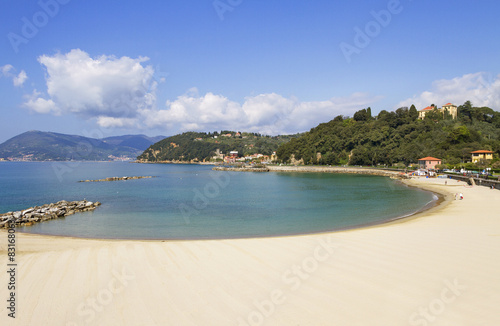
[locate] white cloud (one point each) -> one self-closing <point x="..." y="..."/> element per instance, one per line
<point x="103" y="87"/>
<point x="43" y="106"/>
<point x="479" y="88"/>
<point x="20" y="79"/>
<point x="266" y="113"/>
<point x="17" y="80"/>
<point x="111" y="122"/>
<point x="6" y="69"/>
<point x="121" y="93"/>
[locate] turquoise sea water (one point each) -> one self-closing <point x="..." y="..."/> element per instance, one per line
<point x="194" y="202"/>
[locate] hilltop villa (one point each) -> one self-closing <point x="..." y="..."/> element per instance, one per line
<point x="451" y="108"/>
<point x="428" y="162"/>
<point x="481" y="155"/>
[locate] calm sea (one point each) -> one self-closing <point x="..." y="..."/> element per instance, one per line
<point x="194" y="202"/>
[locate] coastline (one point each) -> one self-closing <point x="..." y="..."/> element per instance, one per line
<point x="389" y="271"/>
<point x="333" y="169"/>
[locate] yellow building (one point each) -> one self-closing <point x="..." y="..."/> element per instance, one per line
<point x="451" y="108"/>
<point x="481" y="155"/>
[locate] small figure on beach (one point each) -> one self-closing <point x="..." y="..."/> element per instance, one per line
<point x="461" y="196"/>
<point x="445" y="182"/>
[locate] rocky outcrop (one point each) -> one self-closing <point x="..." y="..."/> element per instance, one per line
<point x="46" y="212"/>
<point x="117" y="179"/>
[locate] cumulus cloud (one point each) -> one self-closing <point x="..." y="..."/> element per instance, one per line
<point x="480" y="88"/>
<point x="121" y="93"/>
<point x="18" y="80"/>
<point x="266" y="113"/>
<point x="105" y="87"/>
<point x="111" y="122"/>
<point x="42" y="105"/>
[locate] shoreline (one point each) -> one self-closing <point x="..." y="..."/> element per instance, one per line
<point x="434" y="204"/>
<point x="389" y="271"/>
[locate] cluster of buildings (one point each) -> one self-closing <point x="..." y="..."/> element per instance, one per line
<point x="450" y="108"/>
<point x="429" y="163"/>
<point x="237" y="134"/>
<point x="233" y="157"/>
<point x="122" y="158"/>
<point x="24" y="158"/>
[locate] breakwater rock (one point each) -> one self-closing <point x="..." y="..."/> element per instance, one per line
<point x="118" y="179"/>
<point x="242" y="169"/>
<point x="46" y="212"/>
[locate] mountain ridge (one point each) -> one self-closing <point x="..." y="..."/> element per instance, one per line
<point x="35" y="145"/>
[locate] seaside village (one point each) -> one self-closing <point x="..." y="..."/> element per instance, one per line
<point x="233" y="157"/>
<point x="426" y="166"/>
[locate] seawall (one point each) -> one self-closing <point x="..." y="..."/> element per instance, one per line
<point x="335" y="169"/>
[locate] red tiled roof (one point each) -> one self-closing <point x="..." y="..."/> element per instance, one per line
<point x="429" y="108"/>
<point x="448" y="104"/>
<point x="482" y="152"/>
<point x="429" y="158"/>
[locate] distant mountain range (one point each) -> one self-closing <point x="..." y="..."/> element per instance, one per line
<point x="51" y="146"/>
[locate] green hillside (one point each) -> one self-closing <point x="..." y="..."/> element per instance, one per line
<point x="50" y="146"/>
<point x="397" y="137"/>
<point x="200" y="146"/>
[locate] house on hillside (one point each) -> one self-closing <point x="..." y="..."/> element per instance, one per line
<point x="451" y="108"/>
<point x="481" y="155"/>
<point x="428" y="163"/>
<point x="232" y="158"/>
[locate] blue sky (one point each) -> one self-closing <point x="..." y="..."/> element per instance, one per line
<point x="162" y="67"/>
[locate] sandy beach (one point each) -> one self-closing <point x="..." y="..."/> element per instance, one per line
<point x="440" y="267"/>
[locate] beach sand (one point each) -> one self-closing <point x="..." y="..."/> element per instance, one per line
<point x="441" y="267"/>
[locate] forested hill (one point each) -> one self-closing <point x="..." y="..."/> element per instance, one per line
<point x="397" y="137"/>
<point x="201" y="146"/>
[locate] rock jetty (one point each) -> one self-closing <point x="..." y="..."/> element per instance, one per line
<point x="47" y="212"/>
<point x="118" y="179"/>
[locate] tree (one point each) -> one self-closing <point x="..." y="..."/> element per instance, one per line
<point x="435" y="115"/>
<point x="362" y="115"/>
<point x="413" y="112"/>
<point x="396" y="137"/>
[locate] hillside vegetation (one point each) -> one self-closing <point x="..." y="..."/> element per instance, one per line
<point x="398" y="137"/>
<point x="201" y="146"/>
<point x="51" y="146"/>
